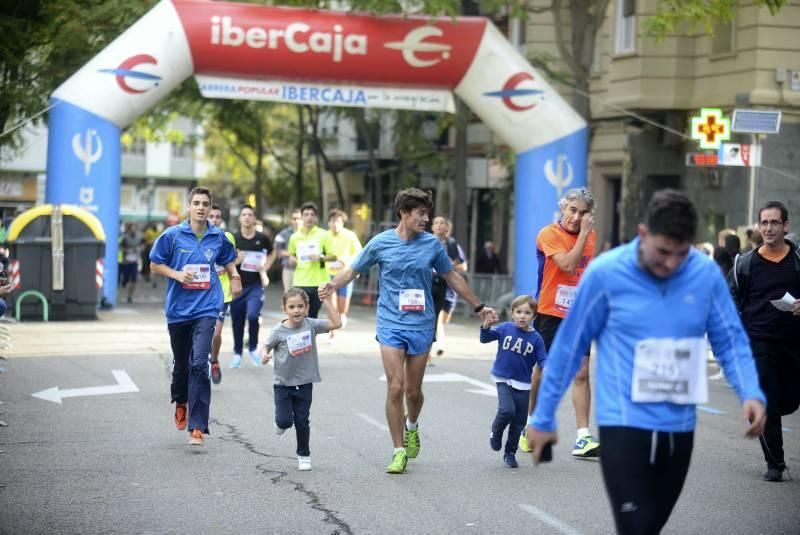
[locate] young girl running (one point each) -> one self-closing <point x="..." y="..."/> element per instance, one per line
<point x="519" y="348"/>
<point x="293" y="344"/>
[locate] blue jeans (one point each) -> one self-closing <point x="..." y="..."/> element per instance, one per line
<point x="292" y="407"/>
<point x="246" y="307"/>
<point x="3" y="307"/>
<point x="191" y="346"/>
<point x="512" y="408"/>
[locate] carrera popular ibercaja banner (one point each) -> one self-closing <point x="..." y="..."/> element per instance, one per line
<point x="314" y="57"/>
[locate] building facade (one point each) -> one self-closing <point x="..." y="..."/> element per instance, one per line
<point x="156" y="176"/>
<point x="753" y="62"/>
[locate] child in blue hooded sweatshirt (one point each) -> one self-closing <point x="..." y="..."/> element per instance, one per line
<point x="519" y="348"/>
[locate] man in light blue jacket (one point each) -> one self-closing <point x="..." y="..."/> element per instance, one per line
<point x="649" y="304"/>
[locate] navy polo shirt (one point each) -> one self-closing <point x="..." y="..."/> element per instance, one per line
<point x="178" y="246"/>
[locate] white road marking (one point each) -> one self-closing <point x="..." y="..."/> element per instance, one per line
<point x="124" y="385"/>
<point x="483" y="388"/>
<point x="550" y="520"/>
<point x="380" y="425"/>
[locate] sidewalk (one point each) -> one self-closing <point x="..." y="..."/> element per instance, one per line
<point x="140" y="329"/>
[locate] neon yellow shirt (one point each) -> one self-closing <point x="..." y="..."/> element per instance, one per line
<point x="302" y="244"/>
<point x="345" y="246"/>
<point x="224" y="278"/>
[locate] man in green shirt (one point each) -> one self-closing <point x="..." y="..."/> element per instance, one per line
<point x="309" y="248"/>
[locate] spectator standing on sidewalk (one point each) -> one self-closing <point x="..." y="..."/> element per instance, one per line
<point x="185" y="254"/>
<point x="149" y="236"/>
<point x="488" y="261"/>
<point x="764" y="274"/>
<point x="130" y="245"/>
<point x="6" y="287"/>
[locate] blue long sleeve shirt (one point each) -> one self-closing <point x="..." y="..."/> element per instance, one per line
<point x="517" y="351"/>
<point x="620" y="304"/>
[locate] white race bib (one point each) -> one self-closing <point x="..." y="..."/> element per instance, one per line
<point x="412" y="300"/>
<point x="306" y="250"/>
<point x="219" y="269"/>
<point x="669" y="369"/>
<point x="131" y="257"/>
<point x="299" y="343"/>
<point x="202" y="276"/>
<point x="565" y="295"/>
<point x="252" y="260"/>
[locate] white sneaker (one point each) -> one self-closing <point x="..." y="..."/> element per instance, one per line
<point x="278" y="431"/>
<point x="304" y="463"/>
<point x="254" y="356"/>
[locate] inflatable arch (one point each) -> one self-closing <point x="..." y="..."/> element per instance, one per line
<point x="323" y="57"/>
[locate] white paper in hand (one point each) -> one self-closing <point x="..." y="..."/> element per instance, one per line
<point x="785" y="303"/>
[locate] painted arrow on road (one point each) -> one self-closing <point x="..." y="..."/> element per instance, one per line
<point x="124" y="385"/>
<point x="483" y="388"/>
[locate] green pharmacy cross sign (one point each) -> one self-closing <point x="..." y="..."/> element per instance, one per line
<point x="711" y="128"/>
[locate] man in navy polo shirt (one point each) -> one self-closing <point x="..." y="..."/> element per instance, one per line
<point x="185" y="254"/>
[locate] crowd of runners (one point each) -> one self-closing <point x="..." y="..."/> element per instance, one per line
<point x="652" y="306"/>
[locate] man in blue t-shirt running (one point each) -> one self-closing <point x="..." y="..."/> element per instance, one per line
<point x="185" y="254"/>
<point x="406" y="256"/>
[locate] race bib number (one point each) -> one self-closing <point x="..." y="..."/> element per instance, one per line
<point x="299" y="343"/>
<point x="669" y="369"/>
<point x="336" y="265"/>
<point x="306" y="250"/>
<point x="565" y="296"/>
<point x="412" y="300"/>
<point x="252" y="260"/>
<point x="201" y="274"/>
<point x="131" y="257"/>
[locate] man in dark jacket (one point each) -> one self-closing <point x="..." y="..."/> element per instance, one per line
<point x="758" y="280"/>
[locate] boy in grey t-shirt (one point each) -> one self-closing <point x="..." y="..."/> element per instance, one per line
<point x="292" y="343"/>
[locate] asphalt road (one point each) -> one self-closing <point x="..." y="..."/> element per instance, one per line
<point x="115" y="463"/>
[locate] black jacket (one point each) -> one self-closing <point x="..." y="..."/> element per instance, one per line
<point x="739" y="277"/>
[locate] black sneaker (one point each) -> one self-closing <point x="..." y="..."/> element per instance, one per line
<point x="510" y="460"/>
<point x="773" y="474"/>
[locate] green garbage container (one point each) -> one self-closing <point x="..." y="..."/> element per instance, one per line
<point x="57" y="251"/>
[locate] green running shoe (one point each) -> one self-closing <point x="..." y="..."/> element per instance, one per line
<point x="398" y="464"/>
<point x="412" y="443"/>
<point x="523" y="442"/>
<point x="586" y="447"/>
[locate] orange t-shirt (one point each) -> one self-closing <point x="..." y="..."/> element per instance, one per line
<point x="556" y="287"/>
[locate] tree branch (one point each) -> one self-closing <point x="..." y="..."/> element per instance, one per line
<point x="558" y="23"/>
<point x="232" y="147"/>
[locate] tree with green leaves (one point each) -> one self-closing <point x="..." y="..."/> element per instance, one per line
<point x="44" y="42"/>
